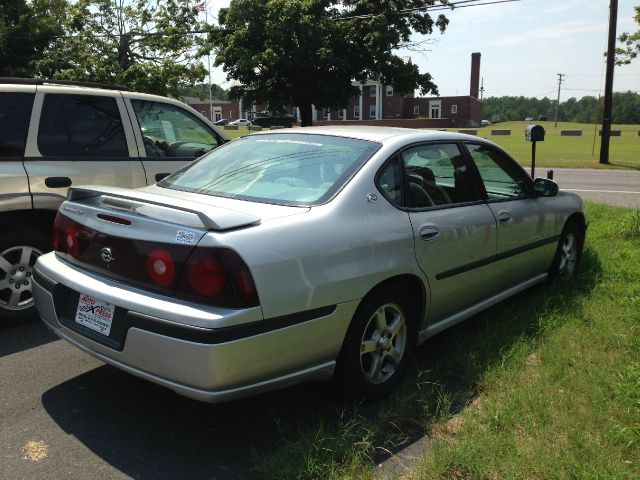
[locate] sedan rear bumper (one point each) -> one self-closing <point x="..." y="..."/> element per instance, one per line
<point x="207" y="364"/>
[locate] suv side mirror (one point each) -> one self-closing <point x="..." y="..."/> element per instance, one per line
<point x="543" y="187"/>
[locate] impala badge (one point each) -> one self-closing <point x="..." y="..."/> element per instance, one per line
<point x="106" y="255"/>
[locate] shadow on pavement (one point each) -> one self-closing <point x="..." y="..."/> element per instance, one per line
<point x="22" y="337"/>
<point x="149" y="432"/>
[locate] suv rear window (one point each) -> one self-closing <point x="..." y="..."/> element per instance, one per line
<point x="281" y="168"/>
<point x="81" y="126"/>
<point x="15" y="112"/>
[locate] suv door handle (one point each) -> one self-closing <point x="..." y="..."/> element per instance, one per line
<point x="429" y="232"/>
<point x="505" y="218"/>
<point x="57" y="182"/>
<point x="160" y="176"/>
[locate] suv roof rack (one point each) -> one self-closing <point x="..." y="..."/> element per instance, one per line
<point x="43" y="81"/>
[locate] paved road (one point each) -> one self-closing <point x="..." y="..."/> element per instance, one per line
<point x="66" y="415"/>
<point x="613" y="187"/>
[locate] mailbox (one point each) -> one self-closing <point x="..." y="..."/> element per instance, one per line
<point x="534" y="133"/>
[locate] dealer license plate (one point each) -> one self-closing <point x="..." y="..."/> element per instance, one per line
<point x="95" y="314"/>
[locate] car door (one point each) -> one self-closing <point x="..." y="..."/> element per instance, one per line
<point x="77" y="139"/>
<point x="169" y="135"/>
<point x="454" y="229"/>
<point x="525" y="223"/>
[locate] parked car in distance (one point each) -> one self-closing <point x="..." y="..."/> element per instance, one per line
<point x="222" y="121"/>
<point x="542" y="118"/>
<point x="297" y="254"/>
<point x="485" y="123"/>
<point x="528" y="119"/>
<point x="496" y="119"/>
<point x="267" y="121"/>
<point x="241" y="121"/>
<point x="56" y="134"/>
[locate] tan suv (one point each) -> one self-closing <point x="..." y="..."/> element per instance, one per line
<point x="55" y="134"/>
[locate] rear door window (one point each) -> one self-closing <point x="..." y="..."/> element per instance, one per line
<point x="15" y="112"/>
<point x="81" y="126"/>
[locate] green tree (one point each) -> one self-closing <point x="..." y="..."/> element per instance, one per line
<point x="26" y="30"/>
<point x="304" y="52"/>
<point x="136" y="43"/>
<point x="631" y="42"/>
<point x="201" y="91"/>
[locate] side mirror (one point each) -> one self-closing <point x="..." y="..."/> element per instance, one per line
<point x="543" y="187"/>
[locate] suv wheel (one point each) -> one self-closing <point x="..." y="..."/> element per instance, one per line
<point x="19" y="251"/>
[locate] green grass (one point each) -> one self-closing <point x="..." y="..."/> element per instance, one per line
<point x="557" y="151"/>
<point x="544" y="385"/>
<point x="569" y="152"/>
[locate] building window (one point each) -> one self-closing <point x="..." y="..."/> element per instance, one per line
<point x="372" y="111"/>
<point x="434" y="109"/>
<point x="454" y="108"/>
<point x="341" y="114"/>
<point x="356" y="111"/>
<point x="325" y="113"/>
<point x="389" y="90"/>
<point x="416" y="109"/>
<point x="372" y="90"/>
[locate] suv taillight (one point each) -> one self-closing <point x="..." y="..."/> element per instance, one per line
<point x="217" y="276"/>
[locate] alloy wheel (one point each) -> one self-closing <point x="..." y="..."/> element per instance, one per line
<point x="383" y="343"/>
<point x="16" y="277"/>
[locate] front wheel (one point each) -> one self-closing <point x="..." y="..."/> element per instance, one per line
<point x="568" y="254"/>
<point x="19" y="251"/>
<point x="378" y="343"/>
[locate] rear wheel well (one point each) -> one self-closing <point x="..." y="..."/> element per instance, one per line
<point x="19" y="220"/>
<point x="412" y="284"/>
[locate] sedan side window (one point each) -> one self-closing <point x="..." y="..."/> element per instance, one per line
<point x="503" y="178"/>
<point x="170" y="131"/>
<point x="436" y="174"/>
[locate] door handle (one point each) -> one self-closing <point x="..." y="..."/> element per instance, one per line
<point x="429" y="232"/>
<point x="160" y="176"/>
<point x="505" y="218"/>
<point x="57" y="182"/>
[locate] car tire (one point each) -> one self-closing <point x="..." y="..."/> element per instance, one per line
<point x="378" y="343"/>
<point x="567" y="257"/>
<point x="18" y="253"/>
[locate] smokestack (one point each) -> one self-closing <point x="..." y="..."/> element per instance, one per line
<point x="475" y="74"/>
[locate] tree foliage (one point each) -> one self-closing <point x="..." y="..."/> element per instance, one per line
<point x="588" y="109"/>
<point x="26" y="30"/>
<point x="201" y="91"/>
<point x="304" y="52"/>
<point x="631" y="42"/>
<point x="137" y="43"/>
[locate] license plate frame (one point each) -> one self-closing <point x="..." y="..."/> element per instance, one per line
<point x="95" y="314"/>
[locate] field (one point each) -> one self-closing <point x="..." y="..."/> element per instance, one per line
<point x="557" y="151"/>
<point x="544" y="385"/>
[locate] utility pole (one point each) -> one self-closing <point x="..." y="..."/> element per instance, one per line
<point x="608" y="86"/>
<point x="560" y="75"/>
<point x="481" y="87"/>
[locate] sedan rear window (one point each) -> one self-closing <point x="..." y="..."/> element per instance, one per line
<point x="287" y="169"/>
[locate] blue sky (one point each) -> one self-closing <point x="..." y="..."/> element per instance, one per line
<point x="524" y="44"/>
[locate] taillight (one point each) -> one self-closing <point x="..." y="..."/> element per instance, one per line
<point x="57" y="231"/>
<point x="70" y="240"/>
<point x="217" y="276"/>
<point x="205" y="275"/>
<point x="161" y="268"/>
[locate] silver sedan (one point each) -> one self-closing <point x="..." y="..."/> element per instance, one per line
<point x="283" y="257"/>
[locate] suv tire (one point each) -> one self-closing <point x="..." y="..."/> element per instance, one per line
<point x="19" y="251"/>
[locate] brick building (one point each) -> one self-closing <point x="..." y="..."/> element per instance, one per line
<point x="379" y="104"/>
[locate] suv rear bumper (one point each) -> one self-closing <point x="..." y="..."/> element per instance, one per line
<point x="207" y="364"/>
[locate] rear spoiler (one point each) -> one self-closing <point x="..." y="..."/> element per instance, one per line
<point x="212" y="218"/>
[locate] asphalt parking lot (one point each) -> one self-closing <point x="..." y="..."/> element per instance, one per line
<point x="64" y="414"/>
